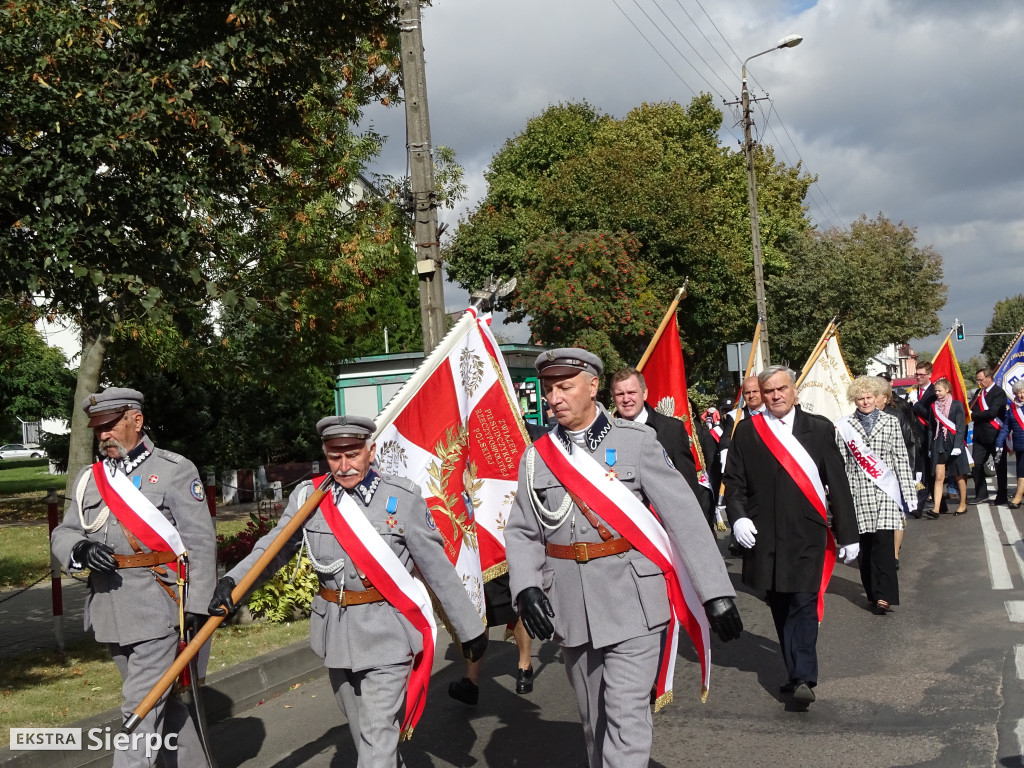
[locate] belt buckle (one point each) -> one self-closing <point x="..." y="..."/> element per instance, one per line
<point x="582" y="555"/>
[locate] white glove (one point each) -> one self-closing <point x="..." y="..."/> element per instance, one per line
<point x="849" y="553"/>
<point x="725" y="452"/>
<point x="744" y="531"/>
<point x="955" y="452"/>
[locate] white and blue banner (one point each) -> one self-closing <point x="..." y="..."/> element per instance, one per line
<point x="1011" y="367"/>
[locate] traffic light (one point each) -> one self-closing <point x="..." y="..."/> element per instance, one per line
<point x="960" y="331"/>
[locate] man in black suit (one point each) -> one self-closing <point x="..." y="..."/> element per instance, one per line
<point x="779" y="464"/>
<point x="921" y="398"/>
<point x="988" y="412"/>
<point x="629" y="395"/>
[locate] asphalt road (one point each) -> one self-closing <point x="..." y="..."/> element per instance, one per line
<point x="936" y="683"/>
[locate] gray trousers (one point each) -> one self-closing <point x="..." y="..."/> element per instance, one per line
<point x="613" y="692"/>
<point x="373" y="700"/>
<point x="141" y="665"/>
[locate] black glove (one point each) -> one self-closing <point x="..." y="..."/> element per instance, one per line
<point x="474" y="648"/>
<point x="194" y="622"/>
<point x="95" y="555"/>
<point x="536" y="613"/>
<point x="221" y="604"/>
<point x="724" y="618"/>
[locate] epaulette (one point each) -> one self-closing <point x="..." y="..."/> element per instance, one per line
<point x="401" y="482"/>
<point x="630" y="424"/>
<point x="171" y="456"/>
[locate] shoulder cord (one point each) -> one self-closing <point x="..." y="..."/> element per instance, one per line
<point x="547" y="518"/>
<point x="101" y="518"/>
<point x="327" y="570"/>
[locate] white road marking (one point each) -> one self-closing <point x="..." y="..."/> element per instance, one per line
<point x="1015" y="610"/>
<point x="997" y="570"/>
<point x="1012" y="536"/>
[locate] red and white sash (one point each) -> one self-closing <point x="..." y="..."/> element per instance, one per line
<point x="920" y="392"/>
<point x="799" y="465"/>
<point x="608" y="496"/>
<point x="137" y="513"/>
<point x="872" y="464"/>
<point x="996" y="422"/>
<point x="943" y="420"/>
<point x="1018" y="414"/>
<point x="371" y="555"/>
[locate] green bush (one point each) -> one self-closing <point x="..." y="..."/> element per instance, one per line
<point x="285" y="598"/>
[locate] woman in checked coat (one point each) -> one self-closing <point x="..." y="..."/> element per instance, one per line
<point x="882" y="484"/>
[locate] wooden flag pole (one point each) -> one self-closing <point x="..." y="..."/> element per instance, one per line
<point x="680" y="294"/>
<point x="237" y="595"/>
<point x="816" y="353"/>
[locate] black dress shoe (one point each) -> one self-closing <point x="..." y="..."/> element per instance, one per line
<point x="788" y="687"/>
<point x="978" y="500"/>
<point x="465" y="690"/>
<point x="524" y="680"/>
<point x="997" y="501"/>
<point x="1011" y="505"/>
<point x="802" y="693"/>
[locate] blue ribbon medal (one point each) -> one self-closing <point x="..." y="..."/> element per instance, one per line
<point x="609" y="457"/>
<point x="137" y="482"/>
<point x="392" y="505"/>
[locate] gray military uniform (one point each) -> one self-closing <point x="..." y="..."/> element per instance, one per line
<point x="128" y="609"/>
<point x="369" y="648"/>
<point x="610" y="612"/>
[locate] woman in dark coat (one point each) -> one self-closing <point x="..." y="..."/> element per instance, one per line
<point x="947" y="430"/>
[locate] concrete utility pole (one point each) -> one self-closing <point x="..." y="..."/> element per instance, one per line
<point x="789" y="41"/>
<point x="421" y="165"/>
<point x="755" y="227"/>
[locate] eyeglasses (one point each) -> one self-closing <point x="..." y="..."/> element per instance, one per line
<point x="919" y="374"/>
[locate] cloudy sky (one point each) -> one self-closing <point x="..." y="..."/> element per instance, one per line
<point x="904" y="107"/>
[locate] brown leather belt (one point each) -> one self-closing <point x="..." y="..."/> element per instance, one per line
<point x="145" y="560"/>
<point x="351" y="597"/>
<point x="582" y="551"/>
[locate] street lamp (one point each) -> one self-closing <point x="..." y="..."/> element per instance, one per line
<point x="789" y="41"/>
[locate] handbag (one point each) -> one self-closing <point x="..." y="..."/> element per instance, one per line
<point x="990" y="466"/>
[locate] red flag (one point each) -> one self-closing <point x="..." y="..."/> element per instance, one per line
<point x="945" y="366"/>
<point x="665" y="376"/>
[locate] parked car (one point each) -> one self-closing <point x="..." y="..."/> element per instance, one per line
<point x="20" y="451"/>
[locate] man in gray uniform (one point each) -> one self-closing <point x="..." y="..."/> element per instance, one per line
<point x="367" y="643"/>
<point x="133" y="603"/>
<point x="578" y="578"/>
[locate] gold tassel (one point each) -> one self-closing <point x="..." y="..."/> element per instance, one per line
<point x="665" y="698"/>
<point x="721" y="527"/>
<point x="703" y="695"/>
<point x="405" y="735"/>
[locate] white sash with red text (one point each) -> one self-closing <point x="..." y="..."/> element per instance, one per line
<point x="372" y="556"/>
<point x="137" y="513"/>
<point x="606" y="495"/>
<point x="996" y="422"/>
<point x="799" y="465"/>
<point x="944" y="420"/>
<point x="872" y="465"/>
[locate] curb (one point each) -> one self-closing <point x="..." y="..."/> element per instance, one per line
<point x="225" y="694"/>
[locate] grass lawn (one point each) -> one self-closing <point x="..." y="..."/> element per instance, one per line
<point x="50" y="689"/>
<point x="23" y="486"/>
<point x="25" y="551"/>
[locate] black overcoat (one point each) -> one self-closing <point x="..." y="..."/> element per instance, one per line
<point x="789" y="553"/>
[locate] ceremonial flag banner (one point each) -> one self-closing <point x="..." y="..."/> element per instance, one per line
<point x="665" y="376"/>
<point x="1011" y="367"/>
<point x="823" y="390"/>
<point x="945" y="366"/>
<point x="455" y="430"/>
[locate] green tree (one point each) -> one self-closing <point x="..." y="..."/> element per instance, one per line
<point x="588" y="289"/>
<point x="1007" y="318"/>
<point x="879" y="284"/>
<point x="157" y="156"/>
<point x="658" y="174"/>
<point x="35" y="382"/>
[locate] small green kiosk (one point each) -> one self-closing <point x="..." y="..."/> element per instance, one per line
<point x="364" y="385"/>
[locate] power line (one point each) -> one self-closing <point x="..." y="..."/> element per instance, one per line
<point x="653" y="48"/>
<point x="686" y="40"/>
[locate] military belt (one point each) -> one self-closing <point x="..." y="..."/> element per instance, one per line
<point x="584" y="551"/>
<point x="145" y="559"/>
<point x="351" y="597"/>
